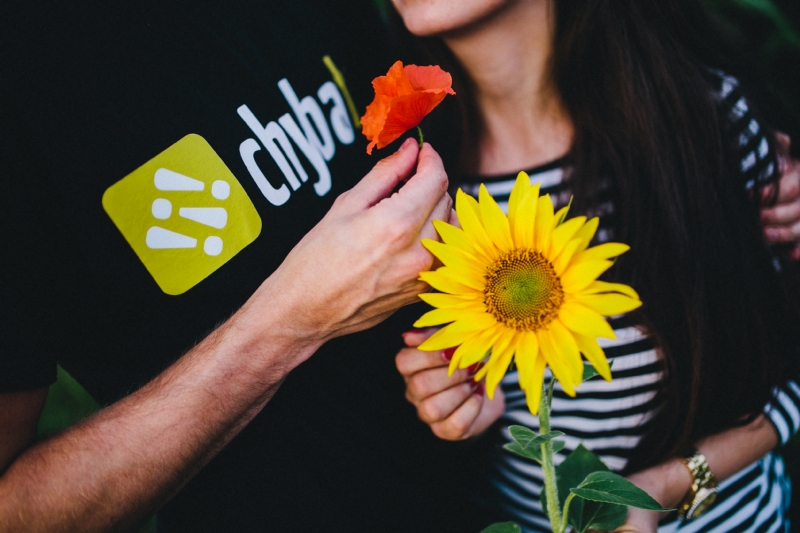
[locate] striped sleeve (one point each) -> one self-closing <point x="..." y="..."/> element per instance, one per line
<point x="783" y="410"/>
<point x="758" y="164"/>
<point x="745" y="136"/>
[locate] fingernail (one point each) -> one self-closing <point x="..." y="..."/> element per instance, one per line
<point x="448" y="353"/>
<point x="795" y="254"/>
<point x="479" y="389"/>
<point x="406" y="144"/>
<point x="770" y="233"/>
<point x="411" y="331"/>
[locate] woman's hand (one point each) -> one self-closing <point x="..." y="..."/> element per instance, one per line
<point x="455" y="407"/>
<point x="781" y="221"/>
<point x="668" y="484"/>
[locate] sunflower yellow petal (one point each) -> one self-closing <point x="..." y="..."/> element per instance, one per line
<point x="594" y="354"/>
<point x="455" y="258"/>
<point x="477" y="348"/>
<point x="500" y="360"/>
<point x="494" y="221"/>
<point x="607" y="250"/>
<point x="564" y="259"/>
<point x="604" y="286"/>
<point x="562" y="235"/>
<point x="586" y="233"/>
<point x="455" y="236"/>
<point x="578" y="277"/>
<point x="535" y="384"/>
<point x="524" y="224"/>
<point x="584" y="321"/>
<point x="608" y="304"/>
<point x="521" y="188"/>
<point x="437" y="317"/>
<point x="445" y="280"/>
<point x="556" y="361"/>
<point x="457" y="332"/>
<point x="544" y="223"/>
<point x="452" y="301"/>
<point x="525" y="357"/>
<point x="468" y="278"/>
<point x="564" y="341"/>
<point x="468" y="212"/>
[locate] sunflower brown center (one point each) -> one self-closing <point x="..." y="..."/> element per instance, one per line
<point x="522" y="290"/>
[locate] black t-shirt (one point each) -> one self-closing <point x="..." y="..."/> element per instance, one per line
<point x="159" y="161"/>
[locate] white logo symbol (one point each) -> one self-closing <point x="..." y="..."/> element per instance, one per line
<point x="214" y="217"/>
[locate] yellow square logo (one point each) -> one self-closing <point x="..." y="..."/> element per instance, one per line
<point x="184" y="214"/>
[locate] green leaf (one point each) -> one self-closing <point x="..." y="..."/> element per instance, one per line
<point x="528" y="453"/>
<point x="558" y="445"/>
<point x="528" y="444"/>
<point x="609" y="487"/>
<point x="589" y="372"/>
<point x="584" y="514"/>
<point x="503" y="527"/>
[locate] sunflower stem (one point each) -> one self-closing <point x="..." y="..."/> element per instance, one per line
<point x="553" y="509"/>
<point x="421" y="139"/>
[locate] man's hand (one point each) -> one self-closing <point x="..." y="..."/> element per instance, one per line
<point x="454" y="407"/>
<point x="362" y="261"/>
<point x="781" y="221"/>
<point x="116" y="468"/>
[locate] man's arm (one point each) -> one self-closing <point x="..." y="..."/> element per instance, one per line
<point x="357" y="266"/>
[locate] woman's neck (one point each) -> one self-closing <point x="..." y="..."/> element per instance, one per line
<point x="507" y="57"/>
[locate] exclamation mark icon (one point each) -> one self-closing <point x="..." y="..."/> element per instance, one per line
<point x="162" y="209"/>
<point x="176" y="210"/>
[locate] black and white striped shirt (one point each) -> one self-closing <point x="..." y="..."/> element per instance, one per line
<point x="607" y="417"/>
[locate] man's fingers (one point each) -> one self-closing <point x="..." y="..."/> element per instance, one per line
<point x="453" y="220"/>
<point x="384" y="177"/>
<point x="423" y="192"/>
<point x="440" y="212"/>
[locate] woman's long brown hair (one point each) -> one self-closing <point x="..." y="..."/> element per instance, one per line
<point x="632" y="76"/>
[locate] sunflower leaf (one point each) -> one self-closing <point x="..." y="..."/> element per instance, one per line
<point x="564" y="215"/>
<point x="528" y="444"/>
<point x="558" y="445"/>
<point x="503" y="527"/>
<point x="608" y="487"/>
<point x="584" y="514"/>
<point x="589" y="372"/>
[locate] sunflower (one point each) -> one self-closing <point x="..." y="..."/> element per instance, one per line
<point x="522" y="287"/>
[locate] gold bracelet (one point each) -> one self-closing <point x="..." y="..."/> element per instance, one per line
<point x="703" y="492"/>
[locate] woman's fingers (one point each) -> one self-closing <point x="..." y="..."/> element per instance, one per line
<point x="440" y="406"/>
<point x="457" y="425"/>
<point x="410" y="361"/>
<point x="433" y="381"/>
<point x="415" y="337"/>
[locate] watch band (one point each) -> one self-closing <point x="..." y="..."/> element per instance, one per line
<point x="703" y="491"/>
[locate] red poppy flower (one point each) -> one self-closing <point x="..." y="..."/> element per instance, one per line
<point x="402" y="99"/>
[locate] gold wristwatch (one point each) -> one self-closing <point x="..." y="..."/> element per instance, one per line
<point x="703" y="492"/>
